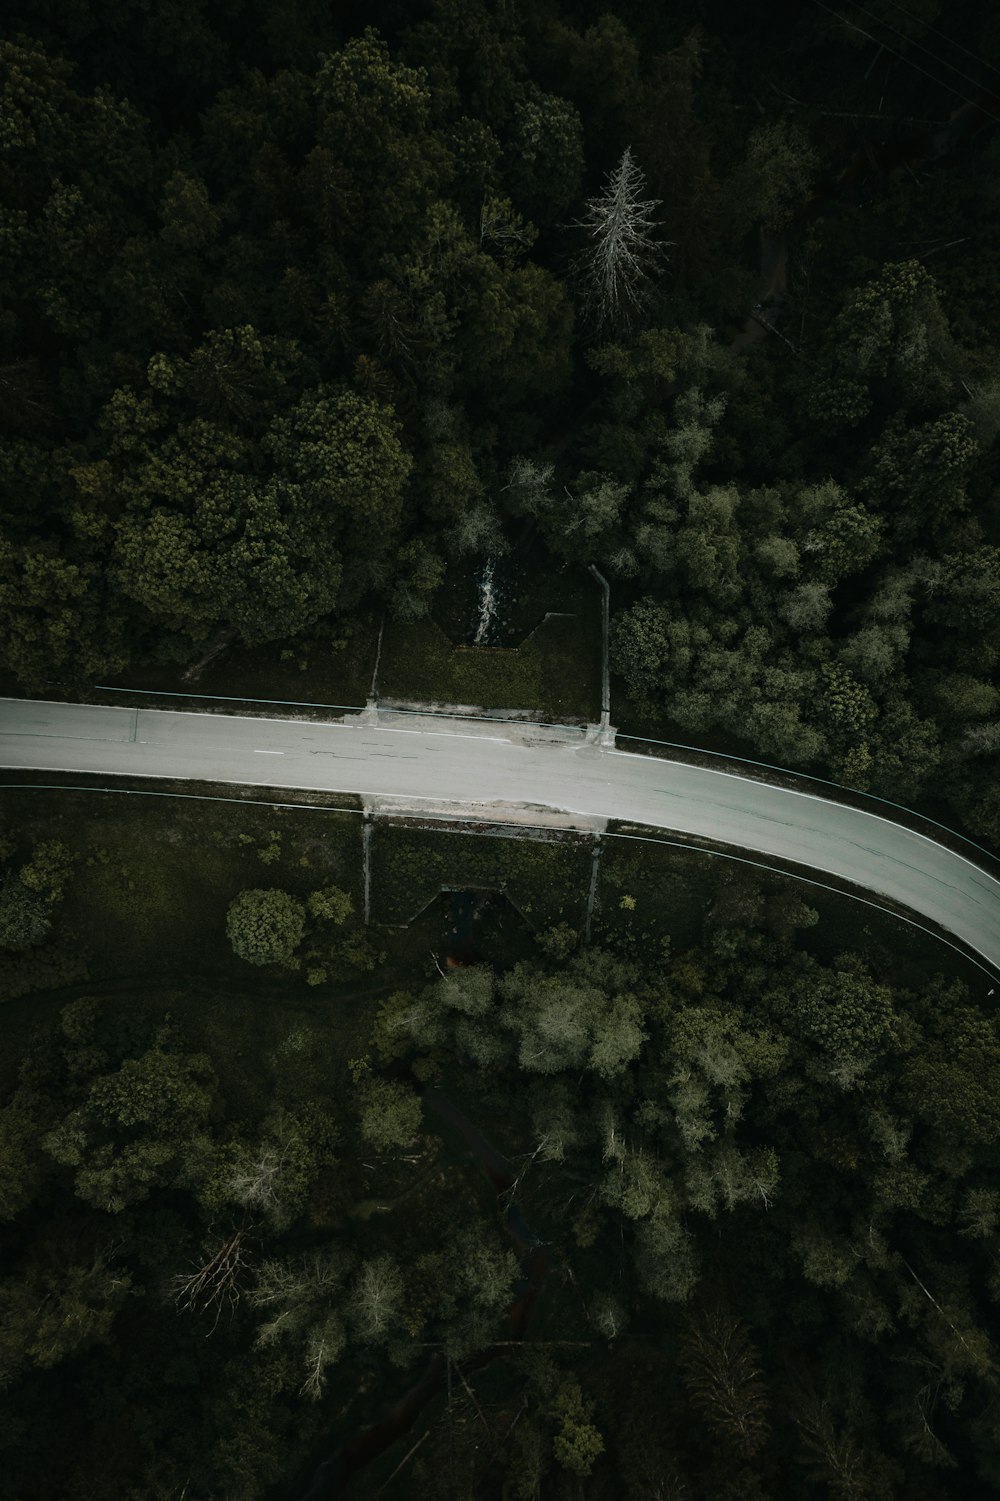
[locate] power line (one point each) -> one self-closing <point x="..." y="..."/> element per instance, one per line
<point x="909" y="61"/>
<point x="913" y="41"/>
<point x="944" y="37"/>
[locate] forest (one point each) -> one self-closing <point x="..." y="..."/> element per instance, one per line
<point x="306" y="311"/>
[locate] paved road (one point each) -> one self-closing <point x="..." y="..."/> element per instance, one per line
<point x="443" y="762"/>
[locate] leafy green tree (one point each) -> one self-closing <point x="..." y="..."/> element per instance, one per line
<point x="558" y="942"/>
<point x="777" y="171"/>
<point x="891" y="336"/>
<point x="374" y="120"/>
<point x="234" y="376"/>
<point x="190" y="221"/>
<point x="391" y="1115"/>
<point x="22" y="1165"/>
<point x="330" y="905"/>
<point x="29" y="896"/>
<point x="515" y="334"/>
<point x="48" y="870"/>
<point x="543" y="162"/>
<point x="599" y="69"/>
<point x="848" y="1017"/>
<point x="951" y="1081"/>
<point x="577" y="1443"/>
<point x="25" y="918"/>
<point x="921" y="473"/>
<point x="843" y="537"/>
<point x="665" y="1258"/>
<point x="207" y="539"/>
<point x="266" y="927"/>
<point x="65" y="1302"/>
<point x="586" y="521"/>
<point x="344" y="456"/>
<point x="618" y="1037"/>
<point x="59" y="617"/>
<point x="247" y="554"/>
<point x="134" y="1129"/>
<point x="555" y="1019"/>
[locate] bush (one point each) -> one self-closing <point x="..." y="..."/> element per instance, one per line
<point x="390" y="1115"/>
<point x="330" y="905"/>
<point x="266" y="927"/>
<point x="24" y="916"/>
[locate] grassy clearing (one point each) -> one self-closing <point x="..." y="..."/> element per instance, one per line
<point x="545" y="880"/>
<point x="555" y="673"/>
<point x="154" y="876"/>
<point x="648" y="891"/>
<point x="143" y="927"/>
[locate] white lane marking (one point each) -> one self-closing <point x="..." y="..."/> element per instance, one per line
<point x="443" y="734"/>
<point x="268" y="753"/>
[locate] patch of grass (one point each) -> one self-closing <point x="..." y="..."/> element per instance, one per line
<point x="546" y="880"/>
<point x="154" y="876"/>
<point x="648" y="891"/>
<point x="555" y="673"/>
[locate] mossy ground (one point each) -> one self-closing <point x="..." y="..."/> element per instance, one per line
<point x="649" y="890"/>
<point x="545" y="880"/>
<point x="555" y="673"/>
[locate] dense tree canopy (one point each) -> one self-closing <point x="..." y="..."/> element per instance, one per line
<point x="301" y="306"/>
<point x="281" y="355"/>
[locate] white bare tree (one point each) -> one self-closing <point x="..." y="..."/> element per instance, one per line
<point x="374" y="1303"/>
<point x="614" y="269"/>
<point x="529" y="485"/>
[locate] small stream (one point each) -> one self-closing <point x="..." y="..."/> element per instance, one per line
<point x="487" y="605"/>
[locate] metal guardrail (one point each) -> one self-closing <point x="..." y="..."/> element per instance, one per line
<point x="225" y="698"/>
<point x="301" y="703"/>
<point x="198" y="797"/>
<point x="806" y="776"/>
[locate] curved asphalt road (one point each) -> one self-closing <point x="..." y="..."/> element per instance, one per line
<point x="484" y="764"/>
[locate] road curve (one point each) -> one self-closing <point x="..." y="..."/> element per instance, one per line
<point x="497" y="763"/>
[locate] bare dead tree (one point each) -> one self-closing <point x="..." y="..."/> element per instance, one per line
<point x="501" y="227"/>
<point x="723" y="1378"/>
<point x="613" y="271"/>
<point x="215" y="1284"/>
